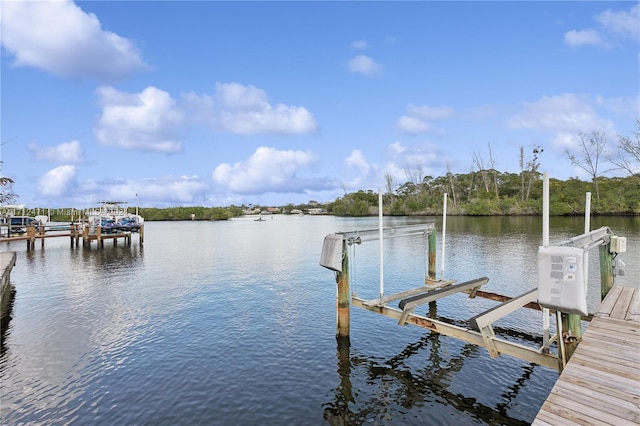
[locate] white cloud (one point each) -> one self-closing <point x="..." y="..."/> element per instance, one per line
<point x="417" y="118"/>
<point x="412" y="125"/>
<point x="565" y="117"/>
<point x="612" y="24"/>
<point x="268" y="170"/>
<point x="64" y="153"/>
<point x="364" y="65"/>
<point x="56" y="181"/>
<point x="576" y="38"/>
<point x="562" y="113"/>
<point x="359" y="44"/>
<point x="404" y="160"/>
<point x="161" y="191"/>
<point x="622" y="23"/>
<point x="357" y="159"/>
<point x="427" y="112"/>
<point x="58" y="37"/>
<point x="144" y="121"/>
<point x="245" y="110"/>
<point x="565" y="140"/>
<point x="170" y="189"/>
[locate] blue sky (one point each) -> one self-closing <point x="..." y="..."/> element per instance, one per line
<point x="216" y="103"/>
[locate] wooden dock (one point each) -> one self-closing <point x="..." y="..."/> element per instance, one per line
<point x="600" y="385"/>
<point x="7" y="262"/>
<point x="76" y="232"/>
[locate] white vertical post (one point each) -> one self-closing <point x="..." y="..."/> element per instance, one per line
<point x="587" y="228"/>
<point x="444" y="234"/>
<point x="545" y="243"/>
<point x="381" y="236"/>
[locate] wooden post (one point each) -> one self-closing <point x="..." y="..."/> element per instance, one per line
<point x="99" y="240"/>
<point x="606" y="270"/>
<point x="141" y="231"/>
<point x="86" y="239"/>
<point x="31" y="237"/>
<point x="432" y="255"/>
<point x="571" y="333"/>
<point x="343" y="302"/>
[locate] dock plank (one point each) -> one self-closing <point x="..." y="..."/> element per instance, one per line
<point x="601" y="382"/>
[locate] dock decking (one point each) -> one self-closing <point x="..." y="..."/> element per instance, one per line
<point x="7" y="262"/>
<point x="600" y="385"/>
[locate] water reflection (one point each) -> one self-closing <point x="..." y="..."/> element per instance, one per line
<point x="401" y="388"/>
<point x="421" y="383"/>
<point x="7" y="313"/>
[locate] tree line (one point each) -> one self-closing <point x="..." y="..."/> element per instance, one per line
<point x="484" y="190"/>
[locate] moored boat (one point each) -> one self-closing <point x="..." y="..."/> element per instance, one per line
<point x="111" y="216"/>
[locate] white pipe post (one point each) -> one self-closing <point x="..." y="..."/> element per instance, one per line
<point x="545" y="243"/>
<point x="444" y="234"/>
<point x="381" y="236"/>
<point x="587" y="228"/>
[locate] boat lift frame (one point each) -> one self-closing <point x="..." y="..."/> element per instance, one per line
<point x="480" y="331"/>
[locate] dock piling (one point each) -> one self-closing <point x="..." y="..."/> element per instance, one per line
<point x="343" y="302"/>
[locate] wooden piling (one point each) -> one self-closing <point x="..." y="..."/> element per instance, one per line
<point x="31" y="237"/>
<point x="86" y="239"/>
<point x="572" y="323"/>
<point x="606" y="270"/>
<point x="99" y="240"/>
<point x="343" y="302"/>
<point x="432" y="255"/>
<point x="571" y="333"/>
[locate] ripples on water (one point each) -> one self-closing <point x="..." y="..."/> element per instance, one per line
<point x="234" y="323"/>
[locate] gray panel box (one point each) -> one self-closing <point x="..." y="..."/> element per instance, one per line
<point x="561" y="279"/>
<point x="331" y="256"/>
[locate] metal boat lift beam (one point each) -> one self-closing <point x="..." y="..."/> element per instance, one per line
<point x="409" y="304"/>
<point x="392" y="232"/>
<point x="502" y="346"/>
<point x="589" y="240"/>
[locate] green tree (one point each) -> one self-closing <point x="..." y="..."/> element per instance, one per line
<point x="6" y="194"/>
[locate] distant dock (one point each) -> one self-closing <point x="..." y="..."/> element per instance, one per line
<point x="601" y="382"/>
<point x="75" y="232"/>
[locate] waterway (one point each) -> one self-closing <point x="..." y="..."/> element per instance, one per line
<point x="234" y="323"/>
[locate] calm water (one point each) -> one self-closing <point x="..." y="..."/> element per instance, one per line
<point x="234" y="323"/>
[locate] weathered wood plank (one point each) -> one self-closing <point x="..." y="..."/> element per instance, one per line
<point x="597" y="375"/>
<point x="610" y="404"/>
<point x="612" y="325"/>
<point x="634" y="310"/>
<point x="623" y="303"/>
<point x="575" y="413"/>
<point x="607" y="366"/>
<point x="619" y="355"/>
<point x="606" y="388"/>
<point x="601" y="382"/>
<point x="607" y="304"/>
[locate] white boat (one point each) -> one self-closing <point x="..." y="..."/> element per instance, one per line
<point x="111" y="216"/>
<point x="17" y="224"/>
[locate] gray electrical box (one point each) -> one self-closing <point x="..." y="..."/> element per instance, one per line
<point x="331" y="256"/>
<point x="561" y="279"/>
<point x="618" y="244"/>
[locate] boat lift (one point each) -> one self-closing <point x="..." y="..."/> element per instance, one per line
<point x="561" y="288"/>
